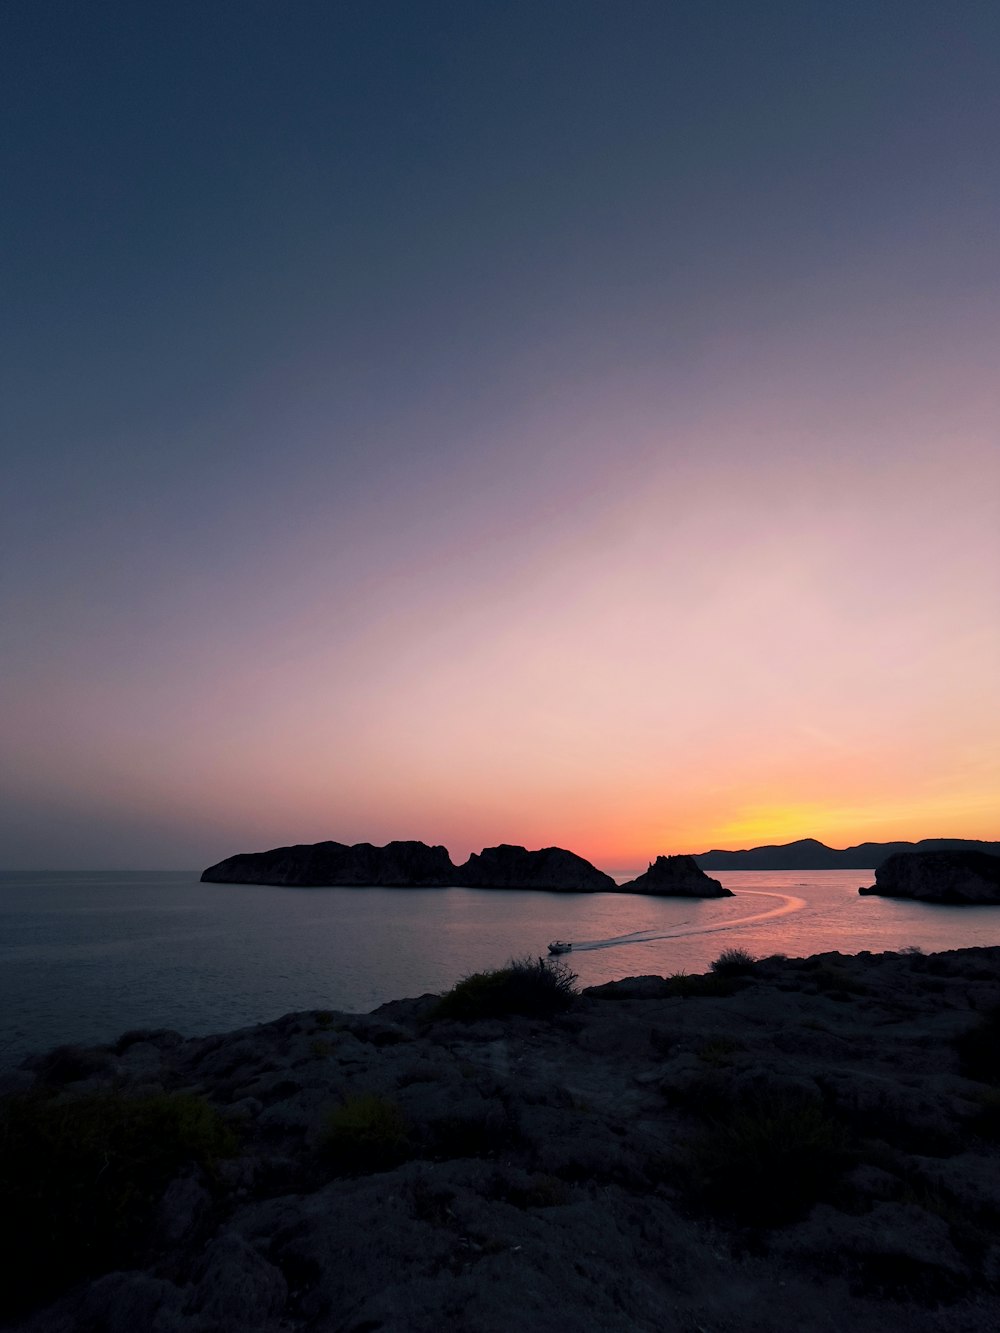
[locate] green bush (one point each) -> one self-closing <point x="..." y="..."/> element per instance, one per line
<point x="81" y="1177"/>
<point x="533" y="987"/>
<point x="365" y="1133"/>
<point x="734" y="963"/>
<point x="766" y="1160"/>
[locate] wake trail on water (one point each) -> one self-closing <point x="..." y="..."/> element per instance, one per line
<point x="788" y="903"/>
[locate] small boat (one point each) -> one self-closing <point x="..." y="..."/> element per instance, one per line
<point x="559" y="946"/>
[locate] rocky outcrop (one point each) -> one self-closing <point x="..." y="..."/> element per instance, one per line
<point x="958" y="878"/>
<point x="411" y="865"/>
<point x="812" y="1146"/>
<point x="552" y="868"/>
<point x="676" y="877"/>
<point x="325" y="864"/>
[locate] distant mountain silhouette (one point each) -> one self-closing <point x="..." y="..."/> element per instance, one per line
<point x="808" y="854"/>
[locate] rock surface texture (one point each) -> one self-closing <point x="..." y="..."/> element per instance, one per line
<point x="814" y="1145"/>
<point x="676" y="877"/>
<point x="553" y="868"/>
<point x="956" y="878"/>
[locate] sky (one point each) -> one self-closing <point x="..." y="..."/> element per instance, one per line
<point x="569" y="423"/>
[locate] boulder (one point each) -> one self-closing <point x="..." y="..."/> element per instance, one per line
<point x="676" y="877"/>
<point x="553" y="868"/>
<point x="956" y="877"/>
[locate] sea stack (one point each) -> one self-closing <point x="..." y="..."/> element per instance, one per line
<point x="956" y="878"/>
<point x="676" y="877"/>
<point x="552" y="868"/>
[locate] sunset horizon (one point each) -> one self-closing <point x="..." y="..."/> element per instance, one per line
<point x="484" y="426"/>
<point x="500" y="665"/>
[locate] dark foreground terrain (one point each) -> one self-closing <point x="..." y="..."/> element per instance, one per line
<point x="806" y="1144"/>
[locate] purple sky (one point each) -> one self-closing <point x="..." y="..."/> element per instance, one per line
<point x="569" y="424"/>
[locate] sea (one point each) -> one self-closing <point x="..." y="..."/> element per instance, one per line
<point x="87" y="956"/>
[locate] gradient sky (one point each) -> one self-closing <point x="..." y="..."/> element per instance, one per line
<point x="556" y="422"/>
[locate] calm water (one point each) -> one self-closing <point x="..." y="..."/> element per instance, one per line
<point x="85" y="956"/>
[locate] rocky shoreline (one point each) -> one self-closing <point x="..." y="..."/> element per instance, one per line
<point x="956" y="878"/>
<point x="789" y="1143"/>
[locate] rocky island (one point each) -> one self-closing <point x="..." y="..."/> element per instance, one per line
<point x="958" y="878"/>
<point x="808" y="1143"/>
<point x="327" y="864"/>
<point x="416" y="865"/>
<point x="552" y="868"/>
<point x="676" y="877"/>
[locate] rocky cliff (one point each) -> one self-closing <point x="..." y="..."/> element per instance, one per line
<point x="676" y="877"/>
<point x="814" y="1145"/>
<point x="957" y="877"/>
<point x="552" y="868"/>
<point x="321" y="864"/>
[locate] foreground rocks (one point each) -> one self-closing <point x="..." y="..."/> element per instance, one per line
<point x="676" y="877"/>
<point x="958" y="878"/>
<point x="813" y="1144"/>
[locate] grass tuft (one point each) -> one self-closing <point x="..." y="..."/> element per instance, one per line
<point x="535" y="988"/>
<point x="366" y="1133"/>
<point x="766" y="1160"/>
<point x="734" y="963"/>
<point x="81" y="1177"/>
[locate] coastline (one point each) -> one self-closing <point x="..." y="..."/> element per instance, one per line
<point x="584" y="1161"/>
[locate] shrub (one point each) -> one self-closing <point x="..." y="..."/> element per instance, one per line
<point x="71" y="1064"/>
<point x="767" y="1160"/>
<point x="81" y="1177"/>
<point x="365" y="1133"/>
<point x="734" y="963"/>
<point x="532" y="987"/>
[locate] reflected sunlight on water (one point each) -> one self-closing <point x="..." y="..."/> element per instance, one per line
<point x="85" y="957"/>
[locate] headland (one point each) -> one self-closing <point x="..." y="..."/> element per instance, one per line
<point x="806" y="1143"/>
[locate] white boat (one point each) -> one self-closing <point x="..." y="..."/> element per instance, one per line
<point x="559" y="946"/>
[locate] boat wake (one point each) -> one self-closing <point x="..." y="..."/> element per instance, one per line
<point x="787" y="904"/>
